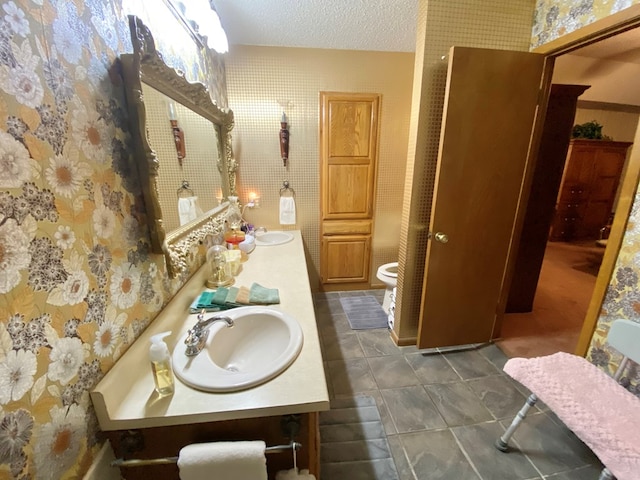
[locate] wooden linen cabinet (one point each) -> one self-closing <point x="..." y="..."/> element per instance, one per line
<point x="348" y="165"/>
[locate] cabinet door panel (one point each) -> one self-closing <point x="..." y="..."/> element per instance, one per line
<point x="347" y="195"/>
<point x="350" y="129"/>
<point x="346" y="258"/>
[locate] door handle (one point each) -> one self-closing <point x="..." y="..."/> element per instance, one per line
<point x="441" y="237"/>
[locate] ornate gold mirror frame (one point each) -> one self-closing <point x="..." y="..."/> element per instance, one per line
<point x="146" y="65"/>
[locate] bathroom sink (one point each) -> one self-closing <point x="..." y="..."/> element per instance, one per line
<point x="273" y="238"/>
<point x="262" y="343"/>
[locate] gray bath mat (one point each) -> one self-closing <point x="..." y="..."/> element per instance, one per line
<point x="364" y="312"/>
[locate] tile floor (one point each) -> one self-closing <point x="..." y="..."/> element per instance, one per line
<point x="440" y="411"/>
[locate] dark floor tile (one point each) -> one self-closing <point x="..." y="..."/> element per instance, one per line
<point x="549" y="447"/>
<point x="392" y="371"/>
<point x="385" y="416"/>
<point x="353" y="402"/>
<point x="591" y="472"/>
<point x="377" y="342"/>
<point x="349" y="415"/>
<point x="435" y="455"/>
<point x="347" y="432"/>
<point x="470" y="364"/>
<point x="457" y="404"/>
<point x="411" y="409"/>
<point x="324" y="296"/>
<point x="351" y="376"/>
<point x="382" y="469"/>
<point x="369" y="449"/>
<point x="493" y="353"/>
<point x="327" y="374"/>
<point x="499" y="395"/>
<point x="539" y="406"/>
<point x="332" y="306"/>
<point x="399" y="458"/>
<point x="353" y="293"/>
<point x="478" y="443"/>
<point x="333" y="324"/>
<point x="341" y="346"/>
<point x="406" y="349"/>
<point x="431" y="368"/>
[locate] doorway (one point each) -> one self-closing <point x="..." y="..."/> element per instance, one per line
<point x="571" y="285"/>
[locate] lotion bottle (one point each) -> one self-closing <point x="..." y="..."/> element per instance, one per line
<point x="161" y="364"/>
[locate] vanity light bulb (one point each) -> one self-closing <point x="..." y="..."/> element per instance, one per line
<point x="254" y="200"/>
<point x="172" y="111"/>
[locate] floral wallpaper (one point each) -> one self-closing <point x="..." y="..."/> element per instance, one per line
<point x="622" y="300"/>
<point x="554" y="18"/>
<point x="78" y="283"/>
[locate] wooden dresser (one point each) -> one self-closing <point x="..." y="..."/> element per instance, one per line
<point x="588" y="189"/>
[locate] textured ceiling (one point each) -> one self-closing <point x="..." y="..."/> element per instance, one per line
<point x="382" y="25"/>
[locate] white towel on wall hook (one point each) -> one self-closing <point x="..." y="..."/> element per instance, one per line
<point x="188" y="209"/>
<point x="287" y="211"/>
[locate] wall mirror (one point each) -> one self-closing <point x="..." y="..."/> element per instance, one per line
<point x="183" y="150"/>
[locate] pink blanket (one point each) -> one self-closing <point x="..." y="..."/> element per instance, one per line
<point x="603" y="414"/>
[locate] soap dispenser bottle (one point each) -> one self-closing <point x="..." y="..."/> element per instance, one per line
<point x="161" y="364"/>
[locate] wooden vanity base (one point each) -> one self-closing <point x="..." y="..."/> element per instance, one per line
<point x="160" y="442"/>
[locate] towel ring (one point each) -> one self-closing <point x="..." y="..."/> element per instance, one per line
<point x="286" y="188"/>
<point x="185" y="189"/>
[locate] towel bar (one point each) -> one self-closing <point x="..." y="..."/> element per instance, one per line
<point x="168" y="460"/>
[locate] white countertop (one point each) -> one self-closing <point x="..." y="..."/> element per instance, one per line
<point x="125" y="398"/>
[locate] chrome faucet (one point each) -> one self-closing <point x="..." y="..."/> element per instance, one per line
<point x="197" y="335"/>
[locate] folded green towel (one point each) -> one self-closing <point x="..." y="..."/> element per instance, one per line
<point x="263" y="296"/>
<point x="204" y="300"/>
<point x="232" y="295"/>
<point x="208" y="301"/>
<point x="220" y="296"/>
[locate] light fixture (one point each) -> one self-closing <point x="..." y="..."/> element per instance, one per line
<point x="202" y="21"/>
<point x="284" y="140"/>
<point x="178" y="134"/>
<point x="254" y="200"/>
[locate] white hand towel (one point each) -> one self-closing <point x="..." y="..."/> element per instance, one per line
<point x="294" y="474"/>
<point x="225" y="460"/>
<point x="188" y="209"/>
<point x="287" y="211"/>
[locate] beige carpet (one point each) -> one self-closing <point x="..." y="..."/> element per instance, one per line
<point x="565" y="287"/>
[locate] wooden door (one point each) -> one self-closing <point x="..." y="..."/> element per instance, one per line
<point x="349" y="146"/>
<point x="490" y="107"/>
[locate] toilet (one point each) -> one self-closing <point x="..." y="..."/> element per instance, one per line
<point x="388" y="274"/>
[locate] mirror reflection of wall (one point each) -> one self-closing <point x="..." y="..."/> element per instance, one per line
<point x="200" y="165"/>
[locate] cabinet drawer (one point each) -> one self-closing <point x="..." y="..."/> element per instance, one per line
<point x="346" y="227"/>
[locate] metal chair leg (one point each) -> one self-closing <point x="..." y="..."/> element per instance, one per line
<point x="605" y="474"/>
<point x="502" y="443"/>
